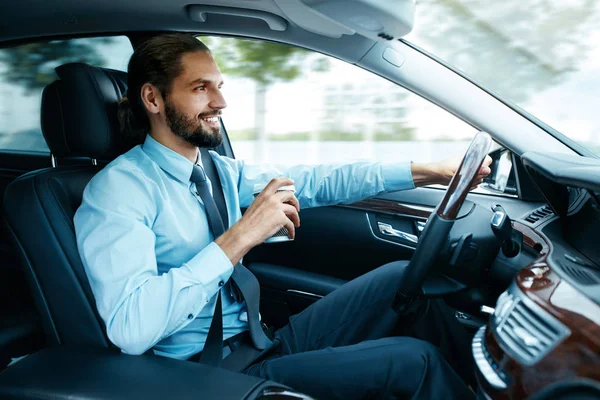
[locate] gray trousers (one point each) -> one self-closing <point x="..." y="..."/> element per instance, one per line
<point x="352" y="345"/>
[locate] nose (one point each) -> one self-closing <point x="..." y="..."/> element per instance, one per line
<point x="217" y="101"/>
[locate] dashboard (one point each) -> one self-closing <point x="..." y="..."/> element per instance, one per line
<point x="544" y="334"/>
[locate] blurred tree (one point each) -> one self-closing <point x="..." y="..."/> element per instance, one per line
<point x="32" y="65"/>
<point x="265" y="63"/>
<point x="514" y="50"/>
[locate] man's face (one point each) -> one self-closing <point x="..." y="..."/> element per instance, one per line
<point x="193" y="106"/>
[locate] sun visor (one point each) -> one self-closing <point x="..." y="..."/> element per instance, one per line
<point x="375" y="19"/>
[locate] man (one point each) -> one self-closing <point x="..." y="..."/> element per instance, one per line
<point x="147" y="242"/>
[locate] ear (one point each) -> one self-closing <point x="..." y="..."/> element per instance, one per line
<point x="151" y="98"/>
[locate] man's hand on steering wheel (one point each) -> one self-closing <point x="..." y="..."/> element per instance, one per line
<point x="447" y="169"/>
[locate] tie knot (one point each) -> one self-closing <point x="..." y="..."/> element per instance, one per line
<point x="198" y="175"/>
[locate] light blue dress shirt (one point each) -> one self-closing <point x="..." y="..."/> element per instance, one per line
<point x="150" y="257"/>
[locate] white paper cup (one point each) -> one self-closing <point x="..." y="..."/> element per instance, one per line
<point x="282" y="234"/>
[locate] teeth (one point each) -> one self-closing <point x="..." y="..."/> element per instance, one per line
<point x="211" y="119"/>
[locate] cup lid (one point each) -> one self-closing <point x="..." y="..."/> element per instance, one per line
<point x="260" y="186"/>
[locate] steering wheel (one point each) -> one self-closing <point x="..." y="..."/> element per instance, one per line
<point x="435" y="234"/>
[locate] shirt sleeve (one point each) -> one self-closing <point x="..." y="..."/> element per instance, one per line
<point x="324" y="185"/>
<point x="116" y="244"/>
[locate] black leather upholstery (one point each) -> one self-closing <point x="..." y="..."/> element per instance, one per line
<point x="78" y="120"/>
<point x="79" y="112"/>
<point x="83" y="373"/>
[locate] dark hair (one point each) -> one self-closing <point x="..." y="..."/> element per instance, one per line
<point x="156" y="61"/>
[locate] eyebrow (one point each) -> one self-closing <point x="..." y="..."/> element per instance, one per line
<point x="203" y="81"/>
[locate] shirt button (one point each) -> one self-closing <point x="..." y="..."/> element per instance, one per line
<point x="190" y="316"/>
<point x="221" y="283"/>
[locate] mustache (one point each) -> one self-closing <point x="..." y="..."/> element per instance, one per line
<point x="210" y="114"/>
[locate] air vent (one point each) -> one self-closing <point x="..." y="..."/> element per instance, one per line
<point x="539" y="214"/>
<point x="525" y="330"/>
<point x="582" y="275"/>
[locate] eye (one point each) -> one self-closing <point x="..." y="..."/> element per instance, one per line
<point x="200" y="88"/>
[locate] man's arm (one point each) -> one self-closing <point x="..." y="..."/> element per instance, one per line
<point x="330" y="184"/>
<point x="323" y="185"/>
<point x="440" y="173"/>
<point x="139" y="306"/>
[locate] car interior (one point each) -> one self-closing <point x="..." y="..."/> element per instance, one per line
<point x="517" y="263"/>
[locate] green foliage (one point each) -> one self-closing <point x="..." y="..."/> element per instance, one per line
<point x="244" y="134"/>
<point x="297" y="136"/>
<point x="395" y="133"/>
<point x="340" y="136"/>
<point x="32" y="65"/>
<point x="262" y="62"/>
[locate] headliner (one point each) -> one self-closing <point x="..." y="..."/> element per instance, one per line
<point x="29" y="20"/>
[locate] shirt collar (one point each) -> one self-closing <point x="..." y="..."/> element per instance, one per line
<point x="168" y="160"/>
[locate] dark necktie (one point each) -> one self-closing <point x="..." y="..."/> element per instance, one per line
<point x="242" y="278"/>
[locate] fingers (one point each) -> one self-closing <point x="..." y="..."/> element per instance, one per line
<point x="276" y="183"/>
<point x="487" y="161"/>
<point x="478" y="180"/>
<point x="288" y="197"/>
<point x="485" y="166"/>
<point x="291" y="229"/>
<point x="292" y="220"/>
<point x="291" y="213"/>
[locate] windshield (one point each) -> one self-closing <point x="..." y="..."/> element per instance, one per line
<point x="542" y="55"/>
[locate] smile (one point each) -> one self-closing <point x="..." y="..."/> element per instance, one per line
<point x="211" y="120"/>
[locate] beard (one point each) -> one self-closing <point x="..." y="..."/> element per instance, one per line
<point x="191" y="130"/>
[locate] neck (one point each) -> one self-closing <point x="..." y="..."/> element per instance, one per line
<point x="175" y="143"/>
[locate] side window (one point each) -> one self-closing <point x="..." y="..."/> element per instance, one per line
<point x="291" y="106"/>
<point x="24" y="72"/>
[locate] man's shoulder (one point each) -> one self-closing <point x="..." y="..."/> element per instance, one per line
<point x="125" y="172"/>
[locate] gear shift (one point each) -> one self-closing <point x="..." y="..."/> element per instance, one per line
<point x="502" y="227"/>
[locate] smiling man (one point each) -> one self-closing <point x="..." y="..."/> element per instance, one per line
<point x="160" y="261"/>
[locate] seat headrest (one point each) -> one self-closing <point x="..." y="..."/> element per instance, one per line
<point x="79" y="112"/>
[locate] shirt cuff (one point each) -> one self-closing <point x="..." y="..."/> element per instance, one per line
<point x="211" y="267"/>
<point x="397" y="176"/>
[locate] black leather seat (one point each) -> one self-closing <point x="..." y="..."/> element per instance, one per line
<point x="79" y="119"/>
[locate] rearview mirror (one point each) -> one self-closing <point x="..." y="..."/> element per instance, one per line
<point x="501" y="179"/>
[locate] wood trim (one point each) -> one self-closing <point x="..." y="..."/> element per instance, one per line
<point x="391" y="207"/>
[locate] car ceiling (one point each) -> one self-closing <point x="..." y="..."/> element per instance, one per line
<point x="29" y="19"/>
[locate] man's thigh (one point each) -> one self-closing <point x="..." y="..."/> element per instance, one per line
<point x="359" y="310"/>
<point x="389" y="368"/>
